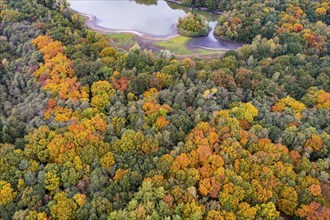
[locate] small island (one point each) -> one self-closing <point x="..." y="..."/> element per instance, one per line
<point x="193" y="25"/>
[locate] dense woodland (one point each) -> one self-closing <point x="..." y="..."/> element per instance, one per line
<point x="88" y="131"/>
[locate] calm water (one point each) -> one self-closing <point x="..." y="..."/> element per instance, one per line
<point x="156" y="20"/>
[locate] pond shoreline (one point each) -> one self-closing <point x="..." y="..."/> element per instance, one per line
<point x="91" y="23"/>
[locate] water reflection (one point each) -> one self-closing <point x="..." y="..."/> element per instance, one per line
<point x="146" y="2"/>
<point x="150" y="18"/>
<point x="211" y="42"/>
<point x="124" y="15"/>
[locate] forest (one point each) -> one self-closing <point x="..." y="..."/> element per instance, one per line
<point x="91" y="131"/>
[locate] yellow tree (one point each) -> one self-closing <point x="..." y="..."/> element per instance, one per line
<point x="63" y="208"/>
<point x="102" y="91"/>
<point x="244" y="111"/>
<point x="7" y="194"/>
<point x="288" y="201"/>
<point x="290" y="103"/>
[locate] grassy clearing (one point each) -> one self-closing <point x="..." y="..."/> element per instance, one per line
<point x="121" y="39"/>
<point x="178" y="46"/>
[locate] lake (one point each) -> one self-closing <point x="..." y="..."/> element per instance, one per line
<point x="156" y="20"/>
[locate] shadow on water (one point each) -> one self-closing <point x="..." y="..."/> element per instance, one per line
<point x="212" y="43"/>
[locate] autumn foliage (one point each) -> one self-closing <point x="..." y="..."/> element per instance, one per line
<point x="90" y="130"/>
<point x="56" y="74"/>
